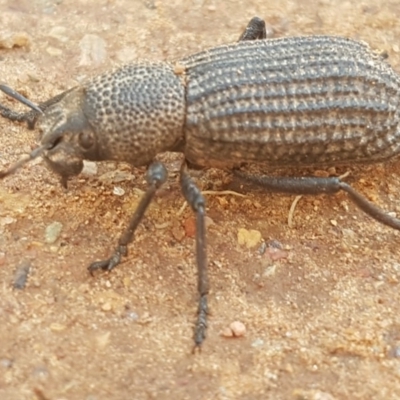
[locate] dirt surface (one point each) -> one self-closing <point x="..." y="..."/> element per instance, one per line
<point x="322" y="315"/>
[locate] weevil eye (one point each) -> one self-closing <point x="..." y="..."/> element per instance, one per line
<point x="86" y="140"/>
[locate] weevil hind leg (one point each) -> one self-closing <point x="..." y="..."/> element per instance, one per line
<point x="156" y="176"/>
<point x="255" y="30"/>
<point x="197" y="202"/>
<point x="319" y="185"/>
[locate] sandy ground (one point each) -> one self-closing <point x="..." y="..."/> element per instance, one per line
<point x="322" y="323"/>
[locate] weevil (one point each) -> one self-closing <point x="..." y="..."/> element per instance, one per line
<point x="296" y="102"/>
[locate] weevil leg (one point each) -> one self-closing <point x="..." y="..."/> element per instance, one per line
<point x="318" y="185"/>
<point x="17" y="96"/>
<point x="156" y="176"/>
<point x="29" y="117"/>
<point x="196" y="200"/>
<point x="255" y="30"/>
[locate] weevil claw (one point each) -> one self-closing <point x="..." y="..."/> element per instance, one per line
<point x="106" y="265"/>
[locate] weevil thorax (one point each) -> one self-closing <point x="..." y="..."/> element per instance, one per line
<point x="137" y="111"/>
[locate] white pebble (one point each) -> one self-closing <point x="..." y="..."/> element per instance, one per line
<point x="118" y="191"/>
<point x="238" y="328"/>
<point x="89" y="168"/>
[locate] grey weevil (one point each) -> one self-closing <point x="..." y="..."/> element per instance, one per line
<point x="300" y="101"/>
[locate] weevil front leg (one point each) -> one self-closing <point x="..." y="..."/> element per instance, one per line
<point x="197" y="202"/>
<point x="29" y="117"/>
<point x="156" y="176"/>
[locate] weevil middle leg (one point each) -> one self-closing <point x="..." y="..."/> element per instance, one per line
<point x="197" y="202"/>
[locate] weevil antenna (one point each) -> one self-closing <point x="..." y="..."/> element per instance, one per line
<point x="17" y="96"/>
<point x="31" y="156"/>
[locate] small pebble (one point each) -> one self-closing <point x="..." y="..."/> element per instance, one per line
<point x="89" y="168"/>
<point x="106" y="307"/>
<point x="9" y="40"/>
<point x="300" y="394"/>
<point x="6" y="362"/>
<point x="7" y="220"/>
<point x="270" y="271"/>
<point x="48" y="6"/>
<point x="54" y="51"/>
<point x="190" y="227"/>
<point x="59" y="33"/>
<point x="127" y="281"/>
<point x="395" y="352"/>
<point x="118" y="191"/>
<point x="56" y="327"/>
<point x="235" y="329"/>
<point x="33" y="77"/>
<point x="127" y="55"/>
<point x="276" y="244"/>
<point x="93" y="50"/>
<point x="178" y="232"/>
<point x="103" y="339"/>
<point x="238" y="328"/>
<point x="208" y="221"/>
<point x="257" y="343"/>
<point x="249" y="238"/>
<point x="262" y="248"/>
<point x="349" y="233"/>
<point x="227" y="332"/>
<point x="116" y="176"/>
<point x="150" y="4"/>
<point x="21" y="275"/>
<point x="132" y="315"/>
<point x="276" y="254"/>
<point x="145" y="319"/>
<point x="53" y="232"/>
<point x="40" y="372"/>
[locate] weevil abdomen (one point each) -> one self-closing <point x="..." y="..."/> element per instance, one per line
<point x="292" y="101"/>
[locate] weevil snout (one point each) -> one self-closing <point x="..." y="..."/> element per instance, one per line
<point x="67" y="136"/>
<point x="64" y="161"/>
<point x="66" y="156"/>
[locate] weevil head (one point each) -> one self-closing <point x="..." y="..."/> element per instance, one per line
<point x="67" y="135"/>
